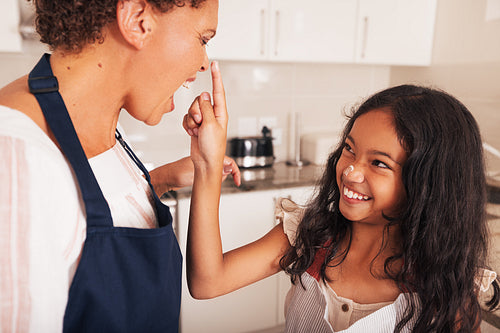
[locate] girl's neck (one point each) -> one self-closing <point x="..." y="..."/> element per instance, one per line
<point x="371" y="242"/>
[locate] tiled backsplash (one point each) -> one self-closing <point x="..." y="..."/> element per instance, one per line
<point x="262" y="92"/>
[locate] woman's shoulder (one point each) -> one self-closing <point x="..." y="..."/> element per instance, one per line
<point x="17" y="127"/>
<point x="16" y="96"/>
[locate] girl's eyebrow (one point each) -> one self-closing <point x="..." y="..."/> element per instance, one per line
<point x="375" y="152"/>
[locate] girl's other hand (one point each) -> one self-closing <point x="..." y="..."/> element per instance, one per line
<point x="231" y="168"/>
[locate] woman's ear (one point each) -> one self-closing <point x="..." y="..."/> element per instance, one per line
<point x="134" y="19"/>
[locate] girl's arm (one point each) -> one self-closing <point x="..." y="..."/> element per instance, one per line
<point x="211" y="273"/>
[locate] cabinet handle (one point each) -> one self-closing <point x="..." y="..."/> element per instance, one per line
<point x="276" y="31"/>
<point x="262" y="31"/>
<point x="365" y="36"/>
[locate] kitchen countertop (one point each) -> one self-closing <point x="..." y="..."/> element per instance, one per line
<point x="278" y="176"/>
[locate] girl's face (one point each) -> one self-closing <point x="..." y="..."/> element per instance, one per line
<point x="174" y="55"/>
<point x="369" y="170"/>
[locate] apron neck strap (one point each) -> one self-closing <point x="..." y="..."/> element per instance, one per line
<point x="43" y="84"/>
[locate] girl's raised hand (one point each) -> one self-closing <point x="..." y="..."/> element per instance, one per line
<point x="207" y="124"/>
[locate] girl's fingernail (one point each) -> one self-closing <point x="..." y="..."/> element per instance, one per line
<point x="205" y="96"/>
<point x="197" y="118"/>
<point x="228" y="169"/>
<point x="216" y="65"/>
<point x="195" y="131"/>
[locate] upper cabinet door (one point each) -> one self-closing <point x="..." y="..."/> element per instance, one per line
<point x="396" y="32"/>
<point x="316" y="30"/>
<point x="388" y="32"/>
<point x="10" y="38"/>
<point x="242" y="32"/>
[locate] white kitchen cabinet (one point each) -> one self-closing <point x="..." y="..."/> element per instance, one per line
<point x="285" y="30"/>
<point x="389" y="32"/>
<point x="10" y="38"/>
<point x="244" y="217"/>
<point x="395" y="32"/>
<point x="242" y="31"/>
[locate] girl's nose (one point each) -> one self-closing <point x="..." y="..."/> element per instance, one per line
<point x="354" y="174"/>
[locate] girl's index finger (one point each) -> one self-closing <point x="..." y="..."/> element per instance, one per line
<point x="218" y="89"/>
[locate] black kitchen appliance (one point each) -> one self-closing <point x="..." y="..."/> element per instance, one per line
<point x="253" y="151"/>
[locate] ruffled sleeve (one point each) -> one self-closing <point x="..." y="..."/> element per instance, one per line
<point x="485" y="278"/>
<point x="290" y="214"/>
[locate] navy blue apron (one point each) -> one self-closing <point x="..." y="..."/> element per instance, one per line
<point x="128" y="280"/>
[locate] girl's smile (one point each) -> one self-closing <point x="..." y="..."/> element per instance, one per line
<point x="353" y="196"/>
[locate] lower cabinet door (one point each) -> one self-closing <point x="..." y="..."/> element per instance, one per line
<point x="244" y="217"/>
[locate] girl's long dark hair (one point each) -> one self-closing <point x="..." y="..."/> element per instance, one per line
<point x="443" y="228"/>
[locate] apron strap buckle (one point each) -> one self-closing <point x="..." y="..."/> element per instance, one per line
<point x="43" y="84"/>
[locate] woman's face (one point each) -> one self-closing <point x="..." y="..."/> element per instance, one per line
<point x="175" y="53"/>
<point x="369" y="170"/>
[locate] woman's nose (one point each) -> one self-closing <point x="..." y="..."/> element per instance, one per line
<point x="205" y="64"/>
<point x="354" y="174"/>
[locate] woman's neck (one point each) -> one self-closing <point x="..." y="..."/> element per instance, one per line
<point x="92" y="93"/>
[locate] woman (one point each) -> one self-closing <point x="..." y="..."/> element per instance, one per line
<point x="78" y="210"/>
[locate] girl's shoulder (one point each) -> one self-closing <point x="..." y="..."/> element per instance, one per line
<point x="485" y="278"/>
<point x="290" y="214"/>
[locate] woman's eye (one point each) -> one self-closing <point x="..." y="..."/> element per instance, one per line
<point x="380" y="164"/>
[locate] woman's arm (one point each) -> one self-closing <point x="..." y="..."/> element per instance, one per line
<point x="179" y="174"/>
<point x="211" y="273"/>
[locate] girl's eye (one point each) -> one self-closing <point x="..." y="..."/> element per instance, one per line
<point x="348" y="148"/>
<point x="380" y="164"/>
<point x="204" y="41"/>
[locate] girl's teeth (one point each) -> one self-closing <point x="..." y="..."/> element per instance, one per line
<point x="352" y="195"/>
<point x="187" y="84"/>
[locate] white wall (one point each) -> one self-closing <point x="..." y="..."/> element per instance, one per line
<point x="466" y="63"/>
<point x="259" y="90"/>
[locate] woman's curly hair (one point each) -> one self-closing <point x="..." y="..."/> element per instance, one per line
<point x="70" y="25"/>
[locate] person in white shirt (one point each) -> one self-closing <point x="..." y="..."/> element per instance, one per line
<point x="107" y="57"/>
<point x="394" y="240"/>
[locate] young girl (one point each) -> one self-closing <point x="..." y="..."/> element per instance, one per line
<point x="395" y="238"/>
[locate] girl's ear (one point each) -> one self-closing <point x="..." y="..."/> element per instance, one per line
<point x="135" y="21"/>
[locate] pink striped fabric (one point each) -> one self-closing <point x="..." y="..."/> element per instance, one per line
<point x="14" y="238"/>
